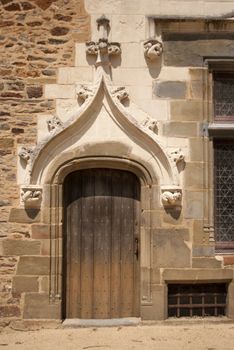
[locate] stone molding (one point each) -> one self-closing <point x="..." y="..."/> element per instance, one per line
<point x="152" y="49"/>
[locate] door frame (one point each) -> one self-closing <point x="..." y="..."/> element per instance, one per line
<point x="149" y="190"/>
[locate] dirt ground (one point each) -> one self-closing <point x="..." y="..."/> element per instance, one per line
<point x="184" y="336"/>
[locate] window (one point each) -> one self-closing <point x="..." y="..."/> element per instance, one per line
<point x="223" y="142"/>
<point x="223" y="95"/>
<point x="224" y="193"/>
<point x="188" y="300"/>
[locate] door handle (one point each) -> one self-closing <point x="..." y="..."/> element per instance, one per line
<point x="136" y="250"/>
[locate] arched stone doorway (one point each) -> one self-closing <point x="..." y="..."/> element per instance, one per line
<point x="101" y="265"/>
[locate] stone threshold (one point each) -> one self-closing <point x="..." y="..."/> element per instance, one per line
<point x="112" y="322"/>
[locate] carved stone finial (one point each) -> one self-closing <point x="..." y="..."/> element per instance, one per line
<point x="151" y="124"/>
<point x="25" y="154"/>
<point x="177" y="155"/>
<point x="104" y="23"/>
<point x="120" y="93"/>
<point x="54" y="124"/>
<point x="84" y="93"/>
<point x="31" y="196"/>
<point x="103" y="48"/>
<point x="171" y="198"/>
<point x="152" y="49"/>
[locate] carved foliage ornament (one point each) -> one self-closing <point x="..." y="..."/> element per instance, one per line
<point x="93" y="48"/>
<point x="120" y="93"/>
<point x="150" y="124"/>
<point x="152" y="49"/>
<point x="84" y="93"/>
<point x="54" y="124"/>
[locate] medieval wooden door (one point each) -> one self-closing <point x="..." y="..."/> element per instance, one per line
<point x="101" y="264"/>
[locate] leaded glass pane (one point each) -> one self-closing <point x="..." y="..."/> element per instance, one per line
<point x="224" y="190"/>
<point x="224" y="97"/>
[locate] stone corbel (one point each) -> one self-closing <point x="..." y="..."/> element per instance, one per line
<point x="54" y="124"/>
<point x="92" y="48"/>
<point x="152" y="49"/>
<point x="25" y="154"/>
<point x="121" y="94"/>
<point x="114" y="49"/>
<point x="31" y="196"/>
<point x="84" y="93"/>
<point x="177" y="156"/>
<point x="151" y="124"/>
<point x="171" y="197"/>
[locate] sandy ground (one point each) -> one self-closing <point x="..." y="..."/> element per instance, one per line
<point x="163" y="337"/>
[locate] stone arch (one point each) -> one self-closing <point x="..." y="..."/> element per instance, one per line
<point x="54" y="195"/>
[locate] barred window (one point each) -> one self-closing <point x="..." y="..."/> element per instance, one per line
<point x="224" y="193"/>
<point x="223" y="95"/>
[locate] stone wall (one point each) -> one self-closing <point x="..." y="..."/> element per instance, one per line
<point x="44" y="63"/>
<point x="37" y="37"/>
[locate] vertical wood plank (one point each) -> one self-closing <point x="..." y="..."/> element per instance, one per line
<point x="115" y="292"/>
<point x="87" y="277"/>
<point x="102" y="230"/>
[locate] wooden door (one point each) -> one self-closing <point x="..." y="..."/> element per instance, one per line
<point x="101" y="225"/>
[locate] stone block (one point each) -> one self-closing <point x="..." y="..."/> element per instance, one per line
<point x="159" y="299"/>
<point x="193" y="205"/>
<point x="170" y="248"/>
<point x="197" y="46"/>
<point x="169" y="89"/>
<point x="44" y="284"/>
<point x="6" y="142"/>
<point x="228" y="260"/>
<point x="196" y="90"/>
<point x="26" y="216"/>
<point x="22" y="284"/>
<point x="180" y="129"/>
<point x="21" y="247"/>
<point x="187" y="110"/>
<point x="38" y="306"/>
<point x="131" y="76"/>
<point x="71" y="75"/>
<point x="194" y="173"/>
<point x="199" y="235"/>
<point x="197" y="74"/>
<point x="206" y="263"/>
<point x="60" y="91"/>
<point x="172" y="216"/>
<point x="156" y="311"/>
<point x="230" y="301"/>
<point x="196" y="149"/>
<point x="174" y="73"/>
<point x="40" y="231"/>
<point x="33" y="265"/>
<point x="123" y="32"/>
<point x="158" y="109"/>
<point x="197" y="274"/>
<point x="203" y="250"/>
<point x="9" y="311"/>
